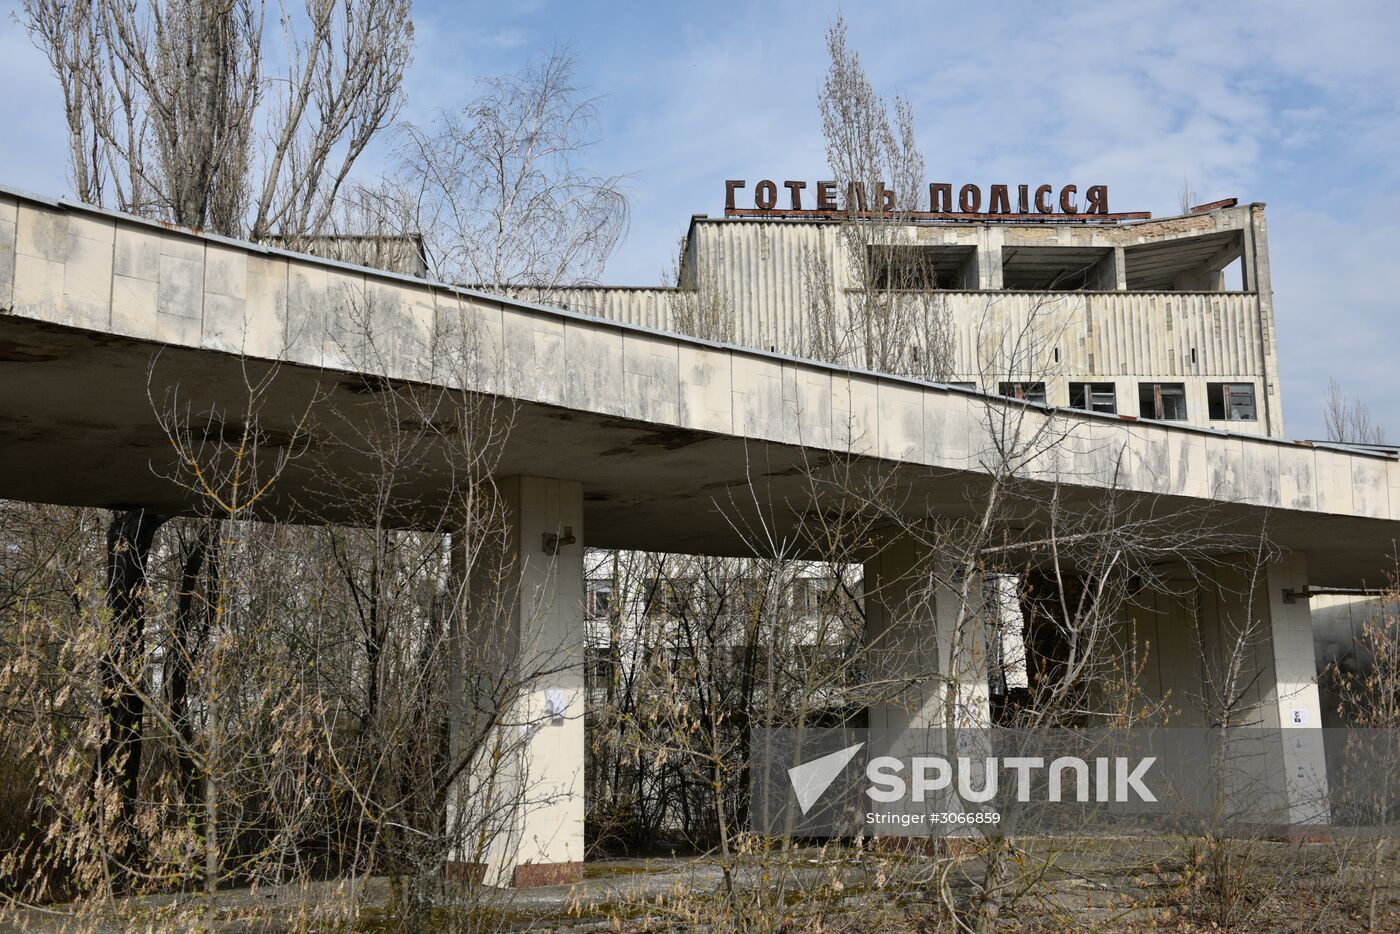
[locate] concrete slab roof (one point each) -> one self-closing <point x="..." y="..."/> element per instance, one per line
<point x="108" y="323"/>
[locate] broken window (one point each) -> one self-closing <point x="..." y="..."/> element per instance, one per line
<point x="1231" y="402"/>
<point x="599" y="597"/>
<point x="598" y="661"/>
<point x="1026" y="392"/>
<point x="1094" y="397"/>
<point x="1166" y="401"/>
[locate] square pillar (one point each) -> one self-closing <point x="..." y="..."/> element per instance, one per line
<point x="1291" y="697"/>
<point x="1279" y="704"/>
<point x="918" y="636"/>
<point x="518" y="693"/>
<point x="1277" y="772"/>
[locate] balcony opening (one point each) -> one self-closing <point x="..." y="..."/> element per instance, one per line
<point x="1025" y="392"/>
<point x="1209" y="263"/>
<point x="1057" y="269"/>
<point x="1231" y="402"/>
<point x="1094" y="397"/>
<point x="1163" y="401"/>
<point x="921" y="268"/>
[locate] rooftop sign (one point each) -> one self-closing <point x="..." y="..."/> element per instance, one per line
<point x="1039" y="202"/>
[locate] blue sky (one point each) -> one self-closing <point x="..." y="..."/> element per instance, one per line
<point x="1289" y="103"/>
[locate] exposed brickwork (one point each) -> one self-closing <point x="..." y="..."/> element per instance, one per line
<point x="531" y="875"/>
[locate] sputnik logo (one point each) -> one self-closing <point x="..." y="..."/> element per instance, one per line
<point x="811" y="779"/>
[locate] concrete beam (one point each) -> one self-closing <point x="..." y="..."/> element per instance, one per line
<point x="663" y="426"/>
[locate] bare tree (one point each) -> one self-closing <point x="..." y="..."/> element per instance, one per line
<point x="500" y="188"/>
<point x="165" y="106"/>
<point x="1349" y="420"/>
<point x="1186" y="198"/>
<point x="875" y="301"/>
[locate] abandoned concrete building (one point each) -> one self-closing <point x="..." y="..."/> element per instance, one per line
<point x="1169" y="319"/>
<point x="1162" y="385"/>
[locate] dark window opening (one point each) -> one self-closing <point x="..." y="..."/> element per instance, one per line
<point x="1026" y="392"/>
<point x="599" y="597"/>
<point x="1165" y="401"/>
<point x="1094" y="397"/>
<point x="599" y="661"/>
<point x="1231" y="402"/>
<point x="906" y="268"/>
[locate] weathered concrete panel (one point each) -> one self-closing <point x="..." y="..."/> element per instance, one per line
<point x="38" y="288"/>
<point x="593" y="368"/>
<point x="9" y="211"/>
<point x="651" y="370"/>
<point x="349" y="336"/>
<point x="1334" y="478"/>
<point x="1148" y="460"/>
<point x="137" y="253"/>
<point x="418" y="316"/>
<point x="225" y="298"/>
<point x="758" y="397"/>
<point x="264" y="327"/>
<point x="901" y="421"/>
<point x="855" y="415"/>
<point x="807" y="405"/>
<point x="1393" y="475"/>
<point x="42" y="233"/>
<point x="470" y="342"/>
<point x="534" y="356"/>
<point x="41" y="248"/>
<point x="225" y="271"/>
<point x="1190" y="475"/>
<point x="705" y="381"/>
<point x="1225" y="469"/>
<point x="1261" y="481"/>
<point x="180" y="290"/>
<point x="134" y="306"/>
<point x="87" y="276"/>
<point x="950" y="426"/>
<point x="307" y="304"/>
<point x="225" y="320"/>
<point x="1370" y="496"/>
<point x="1297" y="483"/>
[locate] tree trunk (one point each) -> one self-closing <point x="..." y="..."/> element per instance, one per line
<point x="191" y="626"/>
<point x="129" y="540"/>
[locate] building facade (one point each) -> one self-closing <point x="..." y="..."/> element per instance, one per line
<point x="1168" y="318"/>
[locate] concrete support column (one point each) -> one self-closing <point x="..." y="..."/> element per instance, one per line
<point x="1272" y="702"/>
<point x="918" y="636"/>
<point x="1291" y="698"/>
<point x="1110" y="273"/>
<point x="987" y="260"/>
<point x="933" y="656"/>
<point x="518" y="695"/>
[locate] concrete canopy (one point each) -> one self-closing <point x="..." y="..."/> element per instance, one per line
<point x="107" y="322"/>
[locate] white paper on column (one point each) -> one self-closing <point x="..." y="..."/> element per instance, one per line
<point x="555" y="703"/>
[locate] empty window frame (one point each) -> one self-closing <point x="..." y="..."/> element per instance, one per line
<point x="1231" y="402"/>
<point x="1165" y="401"/>
<point x="1094" y="397"/>
<point x="598" y="661"/>
<point x="600" y="597"/>
<point x="1026" y="392"/>
<point x="908" y="268"/>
